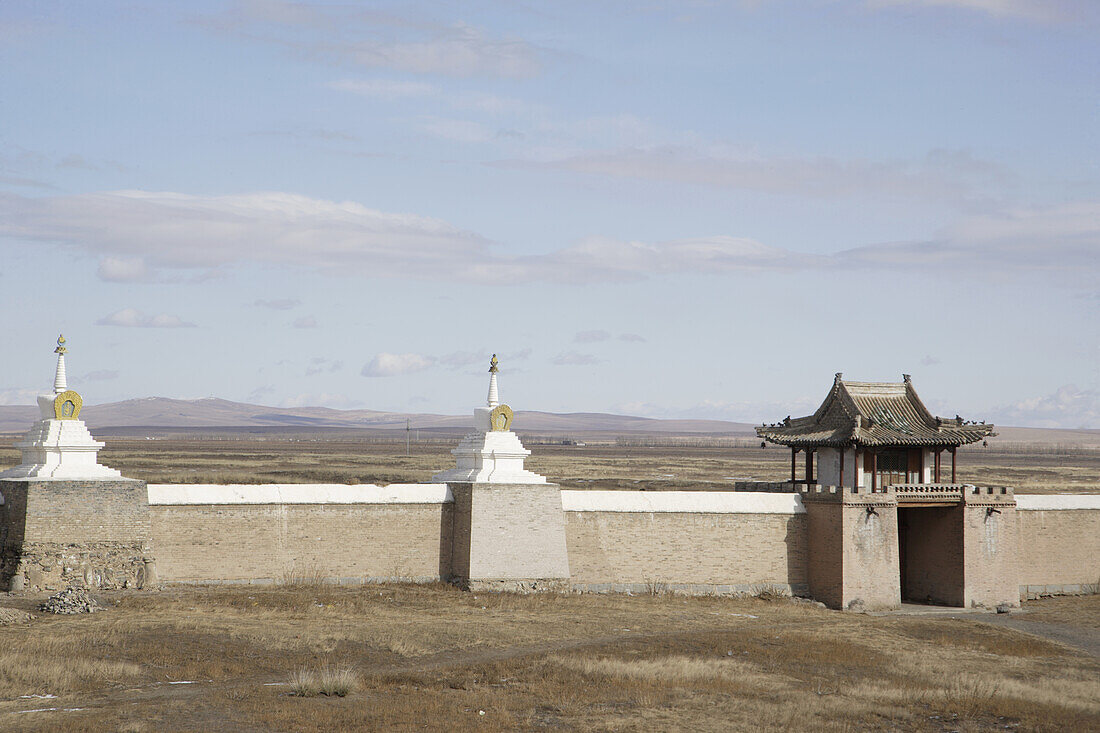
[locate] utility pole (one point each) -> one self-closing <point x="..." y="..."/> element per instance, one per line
<point x="406" y="436"/>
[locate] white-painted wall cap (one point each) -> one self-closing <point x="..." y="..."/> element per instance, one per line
<point x="702" y="502"/>
<point x="175" y="494"/>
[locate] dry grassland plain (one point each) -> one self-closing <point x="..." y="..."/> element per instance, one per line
<point x="660" y="466"/>
<point x="435" y="658"/>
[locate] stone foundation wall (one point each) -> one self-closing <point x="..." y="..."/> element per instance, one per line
<point x="38" y="567"/>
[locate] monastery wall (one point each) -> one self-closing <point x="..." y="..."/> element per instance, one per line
<point x="273" y="532"/>
<point x="1058" y="543"/>
<point x="695" y="541"/>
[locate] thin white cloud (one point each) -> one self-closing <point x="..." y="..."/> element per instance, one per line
<point x="138" y="233"/>
<point x="181" y="231"/>
<point x="459" y="131"/>
<point x="392" y="365"/>
<point x="1066" y="407"/>
<point x="305" y="322"/>
<point x="574" y="358"/>
<point x="279" y="304"/>
<point x="1061" y="241"/>
<point x="1042" y="10"/>
<point x="384" y="88"/>
<point x="133" y="318"/>
<point x="101" y="375"/>
<point x="18" y="396"/>
<point x="600" y="259"/>
<point x="370" y="39"/>
<point x="940" y="175"/>
<point x="321" y="399"/>
<point x="753" y="413"/>
<point x="260" y="393"/>
<point x="632" y="338"/>
<point x="123" y="270"/>
<point x="462" y="358"/>
<point x="319" y="364"/>
<point x="591" y="337"/>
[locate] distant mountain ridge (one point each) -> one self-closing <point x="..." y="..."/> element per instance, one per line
<point x="213" y="412"/>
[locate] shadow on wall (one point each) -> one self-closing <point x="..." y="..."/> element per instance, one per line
<point x="796" y="542"/>
<point x="446" y="542"/>
<point x="13" y="525"/>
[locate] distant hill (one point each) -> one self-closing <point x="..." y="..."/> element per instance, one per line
<point x="162" y="412"/>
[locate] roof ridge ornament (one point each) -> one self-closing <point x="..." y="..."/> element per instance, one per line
<point x="908" y="379"/>
<point x="838" y="378"/>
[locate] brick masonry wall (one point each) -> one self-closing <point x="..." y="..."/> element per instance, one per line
<point x="705" y="552"/>
<point x="346" y="543"/>
<point x="1058" y="551"/>
<point x="825" y="545"/>
<point x="73" y="512"/>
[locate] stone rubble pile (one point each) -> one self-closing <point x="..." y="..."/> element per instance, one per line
<point x="71" y="600"/>
<point x="13" y="616"/>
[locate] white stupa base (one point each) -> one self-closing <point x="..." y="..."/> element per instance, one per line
<point x="60" y="449"/>
<point x="490" y="457"/>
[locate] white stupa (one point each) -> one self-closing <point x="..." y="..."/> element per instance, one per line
<point x="59" y="446"/>
<point x="492" y="453"/>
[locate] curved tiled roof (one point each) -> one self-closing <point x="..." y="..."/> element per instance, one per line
<point x="874" y="414"/>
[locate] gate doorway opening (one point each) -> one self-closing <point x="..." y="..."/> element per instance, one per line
<point x="930" y="554"/>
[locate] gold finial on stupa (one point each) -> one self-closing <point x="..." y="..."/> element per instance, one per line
<point x="493" y="369"/>
<point x="60" y="345"/>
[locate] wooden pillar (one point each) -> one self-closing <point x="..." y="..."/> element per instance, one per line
<point x="874" y="472"/>
<point x="953" y="450"/>
<point x="794" y="451"/>
<point x="842" y="466"/>
<point x="809" y="466"/>
<point x="936" y="466"/>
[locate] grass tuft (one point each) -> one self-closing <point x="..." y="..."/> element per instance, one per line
<point x="328" y="681"/>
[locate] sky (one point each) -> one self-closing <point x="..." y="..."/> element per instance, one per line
<point x="671" y="209"/>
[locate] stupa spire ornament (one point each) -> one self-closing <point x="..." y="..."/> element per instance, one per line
<point x="494" y="394"/>
<point x="60" y="383"/>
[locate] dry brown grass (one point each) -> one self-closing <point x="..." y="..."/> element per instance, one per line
<point x="654" y="468"/>
<point x="327" y="681"/>
<point x="437" y="658"/>
<point x="1072" y="610"/>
